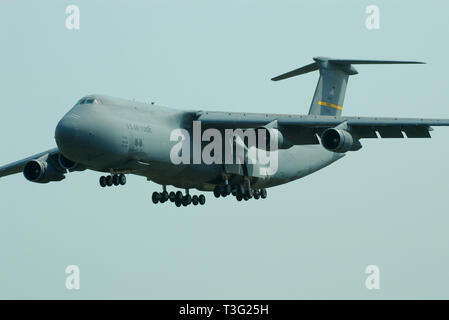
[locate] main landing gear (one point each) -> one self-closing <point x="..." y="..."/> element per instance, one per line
<point x="116" y="179"/>
<point x="178" y="198"/>
<point x="239" y="192"/>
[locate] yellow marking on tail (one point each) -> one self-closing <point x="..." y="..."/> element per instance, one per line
<point x="328" y="104"/>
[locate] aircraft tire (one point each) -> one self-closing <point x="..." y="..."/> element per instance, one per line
<point x="109" y="181"/>
<point x="228" y="189"/>
<point x="155" y="197"/>
<point x="201" y="199"/>
<point x="223" y="192"/>
<point x="115" y="180"/>
<point x="122" y="179"/>
<point x="240" y="190"/>
<point x="103" y="181"/>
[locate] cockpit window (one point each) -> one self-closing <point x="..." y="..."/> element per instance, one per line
<point x="81" y="101"/>
<point x="88" y="101"/>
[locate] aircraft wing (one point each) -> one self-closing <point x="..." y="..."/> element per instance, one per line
<point x="303" y="129"/>
<point x="17" y="166"/>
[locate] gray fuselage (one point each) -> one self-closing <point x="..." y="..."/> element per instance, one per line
<point x="117" y="135"/>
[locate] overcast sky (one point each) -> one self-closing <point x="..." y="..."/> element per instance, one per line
<point x="385" y="205"/>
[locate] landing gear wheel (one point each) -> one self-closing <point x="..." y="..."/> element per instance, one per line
<point x="201" y="199"/>
<point x="115" y="180"/>
<point x="195" y="200"/>
<point x="240" y="190"/>
<point x="103" y="181"/>
<point x="178" y="202"/>
<point x="224" y="192"/>
<point x="179" y="196"/>
<point x="228" y="189"/>
<point x="217" y="192"/>
<point x="256" y="196"/>
<point x="109" y="181"/>
<point x="172" y="196"/>
<point x="164" y="196"/>
<point x="155" y="197"/>
<point x="239" y="197"/>
<point x="185" y="201"/>
<point x="245" y="197"/>
<point x="122" y="179"/>
<point x="263" y="193"/>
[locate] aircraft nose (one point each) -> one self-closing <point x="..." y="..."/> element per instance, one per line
<point x="66" y="133"/>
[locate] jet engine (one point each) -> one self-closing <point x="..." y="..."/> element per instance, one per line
<point x="269" y="136"/>
<point x="41" y="172"/>
<point x="340" y="141"/>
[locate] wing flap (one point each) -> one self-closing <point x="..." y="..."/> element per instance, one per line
<point x="390" y="132"/>
<point x="417" y="132"/>
<point x="365" y="132"/>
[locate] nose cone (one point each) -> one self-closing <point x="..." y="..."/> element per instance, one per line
<point x="90" y="138"/>
<point x="66" y="134"/>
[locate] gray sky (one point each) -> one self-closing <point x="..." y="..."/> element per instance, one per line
<point x="384" y="205"/>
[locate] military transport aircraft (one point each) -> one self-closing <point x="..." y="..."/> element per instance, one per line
<point x="119" y="137"/>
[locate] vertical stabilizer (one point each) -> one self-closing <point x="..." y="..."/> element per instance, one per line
<point x="330" y="90"/>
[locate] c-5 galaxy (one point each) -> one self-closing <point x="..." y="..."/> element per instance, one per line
<point x="119" y="137"/>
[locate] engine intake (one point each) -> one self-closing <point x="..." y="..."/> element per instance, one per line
<point x="41" y="172"/>
<point x="340" y="141"/>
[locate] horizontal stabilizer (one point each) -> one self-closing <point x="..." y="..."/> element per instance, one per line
<point x="321" y="61"/>
<point x="308" y="68"/>
<point x="346" y="61"/>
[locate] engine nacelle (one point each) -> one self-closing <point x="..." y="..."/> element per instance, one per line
<point x="67" y="163"/>
<point x="271" y="139"/>
<point x="41" y="172"/>
<point x="338" y="140"/>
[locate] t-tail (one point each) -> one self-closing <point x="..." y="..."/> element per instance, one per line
<point x="330" y="90"/>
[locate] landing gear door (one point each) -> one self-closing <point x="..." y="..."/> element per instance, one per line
<point x="248" y="165"/>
